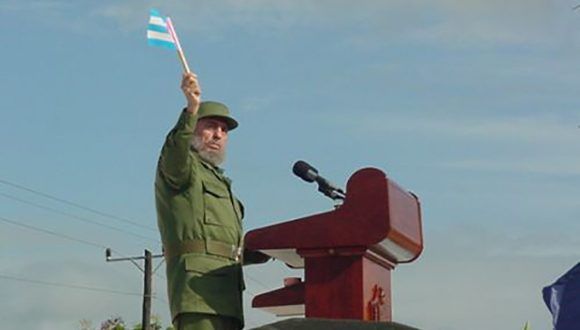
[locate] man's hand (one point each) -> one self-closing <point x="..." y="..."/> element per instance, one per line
<point x="192" y="91"/>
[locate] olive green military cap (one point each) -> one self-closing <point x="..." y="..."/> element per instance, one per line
<point x="219" y="110"/>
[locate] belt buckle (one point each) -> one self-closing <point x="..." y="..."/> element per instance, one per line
<point x="236" y="253"/>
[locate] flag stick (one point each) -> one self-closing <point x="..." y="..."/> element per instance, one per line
<point x="178" y="46"/>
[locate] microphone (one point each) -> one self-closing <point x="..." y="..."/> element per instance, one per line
<point x="303" y="170"/>
<point x="309" y="174"/>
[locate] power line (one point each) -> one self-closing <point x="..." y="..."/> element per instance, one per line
<point x="50" y="232"/>
<point x="59" y="235"/>
<point x="77" y="217"/>
<point x="86" y="242"/>
<point x="63" y="236"/>
<point x="77" y="287"/>
<point x="82" y="207"/>
<point x="69" y="286"/>
<point x="18" y="186"/>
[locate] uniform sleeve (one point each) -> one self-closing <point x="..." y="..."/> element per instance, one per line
<point x="175" y="162"/>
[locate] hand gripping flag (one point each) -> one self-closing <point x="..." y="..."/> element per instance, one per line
<point x="160" y="33"/>
<point x="563" y="300"/>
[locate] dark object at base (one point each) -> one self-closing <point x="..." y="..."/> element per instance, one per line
<point x="323" y="324"/>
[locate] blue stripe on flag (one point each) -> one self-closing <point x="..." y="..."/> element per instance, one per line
<point x="158" y="35"/>
<point x="157" y="28"/>
<point x="161" y="43"/>
<point x="154" y="12"/>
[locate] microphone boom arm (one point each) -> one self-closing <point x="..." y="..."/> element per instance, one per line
<point x="309" y="174"/>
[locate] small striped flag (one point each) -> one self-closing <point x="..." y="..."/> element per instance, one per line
<point x="158" y="33"/>
<point x="161" y="33"/>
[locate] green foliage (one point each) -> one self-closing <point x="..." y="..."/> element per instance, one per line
<point x="155" y="324"/>
<point x="117" y="323"/>
<point x="113" y="323"/>
<point x="527" y="326"/>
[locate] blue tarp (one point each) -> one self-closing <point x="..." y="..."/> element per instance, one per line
<point x="563" y="300"/>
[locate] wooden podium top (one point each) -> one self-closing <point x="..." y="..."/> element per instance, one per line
<point x="377" y="215"/>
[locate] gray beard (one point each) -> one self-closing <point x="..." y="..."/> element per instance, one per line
<point x="215" y="158"/>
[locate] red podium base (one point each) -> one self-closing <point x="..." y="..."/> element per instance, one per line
<point x="356" y="286"/>
<point x="339" y="284"/>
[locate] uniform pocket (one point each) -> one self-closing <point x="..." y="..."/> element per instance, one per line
<point x="216" y="281"/>
<point x="218" y="205"/>
<point x="216" y="189"/>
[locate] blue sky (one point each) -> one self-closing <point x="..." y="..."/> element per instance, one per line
<point x="471" y="105"/>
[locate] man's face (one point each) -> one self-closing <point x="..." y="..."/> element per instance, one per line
<point x="210" y="139"/>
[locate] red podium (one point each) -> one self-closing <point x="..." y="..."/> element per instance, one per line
<point x="347" y="253"/>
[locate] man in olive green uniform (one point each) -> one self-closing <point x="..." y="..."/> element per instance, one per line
<point x="199" y="219"/>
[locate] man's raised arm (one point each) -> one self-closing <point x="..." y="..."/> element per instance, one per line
<point x="175" y="161"/>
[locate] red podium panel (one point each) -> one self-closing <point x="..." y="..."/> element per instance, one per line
<point x="347" y="253"/>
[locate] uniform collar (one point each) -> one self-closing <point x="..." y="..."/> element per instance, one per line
<point x="218" y="171"/>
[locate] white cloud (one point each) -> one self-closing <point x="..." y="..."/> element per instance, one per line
<point x="453" y="22"/>
<point x="554" y="242"/>
<point x="449" y="23"/>
<point x="525" y="129"/>
<point x="256" y="104"/>
<point x="210" y="17"/>
<point x="489" y="22"/>
<point x="468" y="269"/>
<point x="541" y="144"/>
<point x="445" y="294"/>
<point x="476" y="241"/>
<point x="27" y="6"/>
<point x="562" y="165"/>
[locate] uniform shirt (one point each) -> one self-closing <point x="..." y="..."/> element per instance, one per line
<point x="195" y="204"/>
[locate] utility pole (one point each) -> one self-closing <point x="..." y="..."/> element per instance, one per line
<point x="147" y="280"/>
<point x="146" y="319"/>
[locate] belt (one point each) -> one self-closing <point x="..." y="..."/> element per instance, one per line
<point x="217" y="248"/>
